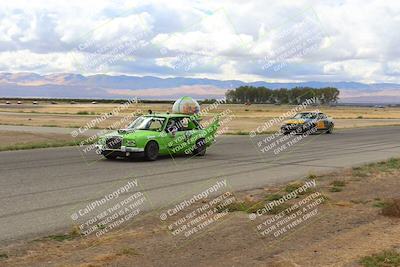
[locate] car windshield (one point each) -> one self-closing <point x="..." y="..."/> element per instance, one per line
<point x="147" y="123"/>
<point x="305" y="116"/>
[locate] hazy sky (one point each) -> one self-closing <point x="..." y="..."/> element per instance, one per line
<point x="248" y="40"/>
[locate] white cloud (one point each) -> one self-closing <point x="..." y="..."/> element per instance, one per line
<point x="194" y="91"/>
<point x="354" y="69"/>
<point x="224" y="39"/>
<point x="25" y="60"/>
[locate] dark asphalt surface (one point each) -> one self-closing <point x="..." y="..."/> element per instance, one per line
<point x="40" y="189"/>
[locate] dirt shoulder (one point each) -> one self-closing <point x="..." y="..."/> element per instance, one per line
<point x="341" y="218"/>
<point x="16" y="140"/>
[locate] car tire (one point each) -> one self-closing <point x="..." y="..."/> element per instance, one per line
<point x="200" y="148"/>
<point x="151" y="151"/>
<point x="109" y="155"/>
<point x="330" y="129"/>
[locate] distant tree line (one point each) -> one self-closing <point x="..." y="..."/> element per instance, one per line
<point x="297" y="95"/>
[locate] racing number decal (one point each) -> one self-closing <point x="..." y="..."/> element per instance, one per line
<point x="320" y="125"/>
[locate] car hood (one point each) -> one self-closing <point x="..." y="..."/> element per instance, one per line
<point x="130" y="133"/>
<point x="295" y="121"/>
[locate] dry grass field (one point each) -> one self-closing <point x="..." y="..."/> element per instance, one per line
<point x="246" y="118"/>
<point x="12" y="140"/>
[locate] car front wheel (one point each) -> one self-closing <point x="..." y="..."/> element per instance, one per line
<point x="330" y="129"/>
<point x="151" y="151"/>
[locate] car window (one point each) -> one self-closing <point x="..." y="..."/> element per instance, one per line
<point x="192" y="125"/>
<point x="147" y="123"/>
<point x="184" y="124"/>
<point x="321" y="116"/>
<point x="155" y="124"/>
<point x="305" y="116"/>
<point x="171" y="126"/>
<point x="180" y="124"/>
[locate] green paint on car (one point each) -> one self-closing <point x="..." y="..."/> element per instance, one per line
<point x="159" y="134"/>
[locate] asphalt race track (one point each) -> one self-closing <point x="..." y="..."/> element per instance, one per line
<point x="40" y="189"/>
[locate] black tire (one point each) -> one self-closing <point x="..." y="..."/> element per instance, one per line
<point x="330" y="129"/>
<point x="151" y="151"/>
<point x="109" y="155"/>
<point x="200" y="148"/>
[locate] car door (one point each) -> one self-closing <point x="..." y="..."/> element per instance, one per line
<point x="168" y="136"/>
<point x="179" y="135"/>
<point x="322" y="123"/>
<point x="186" y="135"/>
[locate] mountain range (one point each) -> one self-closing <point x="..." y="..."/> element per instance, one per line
<point x="68" y="85"/>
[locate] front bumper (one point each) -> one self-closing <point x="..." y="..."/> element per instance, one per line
<point x="124" y="149"/>
<point x="292" y="127"/>
<point x="298" y="128"/>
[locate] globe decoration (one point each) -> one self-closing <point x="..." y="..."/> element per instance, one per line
<point x="186" y="105"/>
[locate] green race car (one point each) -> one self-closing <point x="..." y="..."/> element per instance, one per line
<point x="159" y="134"/>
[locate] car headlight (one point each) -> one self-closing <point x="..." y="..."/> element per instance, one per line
<point x="130" y="143"/>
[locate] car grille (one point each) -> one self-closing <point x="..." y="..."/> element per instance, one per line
<point x="291" y="125"/>
<point x="114" y="142"/>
